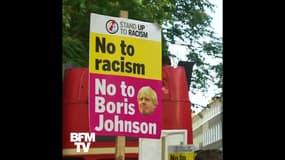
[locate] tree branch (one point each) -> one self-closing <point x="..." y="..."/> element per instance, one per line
<point x="181" y="44"/>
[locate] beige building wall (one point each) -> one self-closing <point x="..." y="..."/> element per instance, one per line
<point x="207" y="126"/>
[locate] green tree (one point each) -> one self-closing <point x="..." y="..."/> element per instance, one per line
<point x="183" y="22"/>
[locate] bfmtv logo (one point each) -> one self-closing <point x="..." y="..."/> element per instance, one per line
<point x="112" y="26"/>
<point x="86" y="137"/>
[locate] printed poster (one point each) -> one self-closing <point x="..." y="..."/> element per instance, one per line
<point x="125" y="67"/>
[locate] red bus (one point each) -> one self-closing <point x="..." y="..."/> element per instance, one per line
<point x="176" y="113"/>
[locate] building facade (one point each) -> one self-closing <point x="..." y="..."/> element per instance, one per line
<point x="207" y="126"/>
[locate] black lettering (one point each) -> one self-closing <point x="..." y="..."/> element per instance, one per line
<point x="128" y="67"/>
<point x="138" y="68"/>
<point x="97" y="63"/>
<point x="115" y="65"/>
<point x="101" y="45"/>
<point x="138" y="33"/>
<point x="120" y="66"/>
<point x="106" y="65"/>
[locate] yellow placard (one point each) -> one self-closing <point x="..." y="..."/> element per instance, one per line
<point x="124" y="56"/>
<point x="181" y="156"/>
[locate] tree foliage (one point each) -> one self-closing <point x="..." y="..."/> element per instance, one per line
<point x="184" y="22"/>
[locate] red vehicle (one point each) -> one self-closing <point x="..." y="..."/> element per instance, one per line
<point x="176" y="113"/>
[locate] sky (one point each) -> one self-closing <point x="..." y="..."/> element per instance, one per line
<point x="217" y="24"/>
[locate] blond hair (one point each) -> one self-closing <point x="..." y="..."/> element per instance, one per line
<point x="147" y="90"/>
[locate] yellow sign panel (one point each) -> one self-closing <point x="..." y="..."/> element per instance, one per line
<point x="181" y="156"/>
<point x="125" y="56"/>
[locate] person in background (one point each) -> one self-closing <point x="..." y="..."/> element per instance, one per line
<point x="147" y="100"/>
